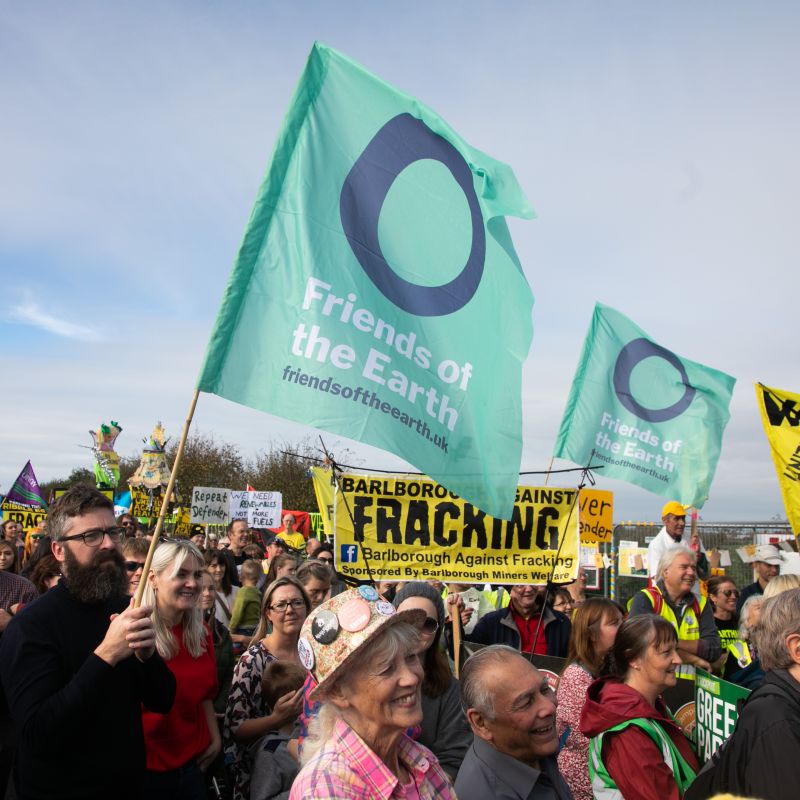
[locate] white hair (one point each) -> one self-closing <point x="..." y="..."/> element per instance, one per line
<point x="670" y="554"/>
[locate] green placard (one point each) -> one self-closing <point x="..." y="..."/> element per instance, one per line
<point x="716" y="709"/>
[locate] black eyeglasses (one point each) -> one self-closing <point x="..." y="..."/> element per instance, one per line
<point x="132" y="566"/>
<point x="327" y="560"/>
<point x="731" y="593"/>
<point x="430" y="625"/>
<point x="283" y="605"/>
<point x="94" y="537"/>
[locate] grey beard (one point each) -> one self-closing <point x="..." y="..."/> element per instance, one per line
<point x="96" y="583"/>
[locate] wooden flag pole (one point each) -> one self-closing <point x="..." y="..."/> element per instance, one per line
<point x="137" y="601"/>
<point x="456" y="617"/>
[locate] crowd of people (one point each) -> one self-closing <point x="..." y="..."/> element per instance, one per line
<point x="252" y="670"/>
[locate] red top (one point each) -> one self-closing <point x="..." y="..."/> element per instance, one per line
<point x="173" y="739"/>
<point x="527" y="630"/>
<point x="631" y="757"/>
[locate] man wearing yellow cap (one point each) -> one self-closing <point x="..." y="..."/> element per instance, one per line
<point x="673" y="515"/>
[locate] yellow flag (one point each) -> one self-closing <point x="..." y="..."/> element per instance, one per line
<point x="780" y="413"/>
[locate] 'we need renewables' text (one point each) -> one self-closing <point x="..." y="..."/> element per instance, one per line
<point x="367" y="398"/>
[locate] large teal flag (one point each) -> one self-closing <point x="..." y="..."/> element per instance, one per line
<point x="650" y="417"/>
<point x="377" y="294"/>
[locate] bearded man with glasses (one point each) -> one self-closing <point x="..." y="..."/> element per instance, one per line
<point x="78" y="664"/>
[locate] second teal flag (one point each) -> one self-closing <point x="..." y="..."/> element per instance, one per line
<point x="377" y="294"/>
<point x="650" y="417"/>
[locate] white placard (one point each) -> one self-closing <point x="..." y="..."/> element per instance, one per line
<point x="209" y="505"/>
<point x="260" y="509"/>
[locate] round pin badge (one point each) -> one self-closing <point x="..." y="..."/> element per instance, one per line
<point x="368" y="593"/>
<point x="354" y="615"/>
<point x="306" y="653"/>
<point x="325" y="627"/>
<point x="382" y="607"/>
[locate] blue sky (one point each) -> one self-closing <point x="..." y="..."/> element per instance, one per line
<point x="655" y="141"/>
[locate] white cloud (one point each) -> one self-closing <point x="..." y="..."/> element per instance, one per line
<point x="29" y="313"/>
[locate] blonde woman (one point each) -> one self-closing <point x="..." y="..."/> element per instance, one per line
<point x="183" y="743"/>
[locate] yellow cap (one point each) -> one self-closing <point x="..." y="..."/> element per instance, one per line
<point x="673" y="507"/>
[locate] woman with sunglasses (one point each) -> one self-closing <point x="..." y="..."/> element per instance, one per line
<point x="445" y="729"/>
<point x="135" y="553"/>
<point x="737" y="661"/>
<point x="247" y="717"/>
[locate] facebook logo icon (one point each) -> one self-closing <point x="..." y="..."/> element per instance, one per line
<point x="348" y="553"/>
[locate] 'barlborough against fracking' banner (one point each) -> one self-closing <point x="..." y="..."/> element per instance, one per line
<point x="377" y="294"/>
<point x="414" y="529"/>
<point x="648" y="416"/>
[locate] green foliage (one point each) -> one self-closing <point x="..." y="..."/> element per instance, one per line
<point x="78" y="475"/>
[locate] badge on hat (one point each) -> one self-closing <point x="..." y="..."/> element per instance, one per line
<point x="368" y="593"/>
<point x="325" y="627"/>
<point x="354" y="615"/>
<point x="306" y="653"/>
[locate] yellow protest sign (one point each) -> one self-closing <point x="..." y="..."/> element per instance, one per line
<point x="414" y="529"/>
<point x="596" y="515"/>
<point x="27" y="516"/>
<point x="183" y="526"/>
<point x="324" y="488"/>
<point x="143" y="504"/>
<point x="780" y="413"/>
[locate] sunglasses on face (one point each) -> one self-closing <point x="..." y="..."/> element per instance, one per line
<point x="430" y="625"/>
<point x="730" y="593"/>
<point x="132" y="566"/>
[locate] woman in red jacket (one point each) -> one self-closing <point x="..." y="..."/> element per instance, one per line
<point x="636" y="748"/>
<point x="183" y="743"/>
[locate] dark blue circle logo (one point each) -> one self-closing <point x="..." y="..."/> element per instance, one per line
<point x="632" y="354"/>
<point x="398" y="144"/>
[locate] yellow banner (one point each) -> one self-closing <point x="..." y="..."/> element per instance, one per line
<point x="780" y="413"/>
<point x="26" y="516"/>
<point x="414" y="529"/>
<point x="597" y="515"/>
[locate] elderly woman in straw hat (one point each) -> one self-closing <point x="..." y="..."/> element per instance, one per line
<point x="364" y="657"/>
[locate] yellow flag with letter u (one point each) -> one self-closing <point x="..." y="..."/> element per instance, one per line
<point x="780" y="413"/>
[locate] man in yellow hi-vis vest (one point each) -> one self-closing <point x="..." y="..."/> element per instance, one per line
<point x="672" y="598"/>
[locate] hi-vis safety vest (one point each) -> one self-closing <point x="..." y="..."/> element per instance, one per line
<point x="688" y="629"/>
<point x="603" y="784"/>
<point x="738" y="649"/>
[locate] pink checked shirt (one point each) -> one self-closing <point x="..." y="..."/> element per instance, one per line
<point x="346" y="769"/>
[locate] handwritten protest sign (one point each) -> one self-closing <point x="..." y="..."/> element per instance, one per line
<point x="596" y="515"/>
<point x="260" y="509"/>
<point x="210" y="505"/>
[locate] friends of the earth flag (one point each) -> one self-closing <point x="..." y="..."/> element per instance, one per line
<point x="25" y="490"/>
<point x="377" y="294"/>
<point x="780" y="413"/>
<point x="650" y="417"/>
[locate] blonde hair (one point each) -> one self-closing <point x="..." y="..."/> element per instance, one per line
<point x="174" y="554"/>
<point x="781" y="583"/>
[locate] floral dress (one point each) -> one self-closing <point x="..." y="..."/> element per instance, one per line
<point x="244" y="702"/>
<point x="573" y="759"/>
